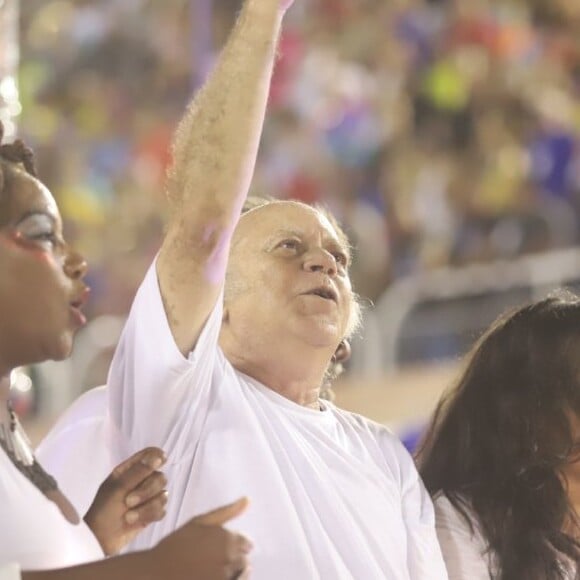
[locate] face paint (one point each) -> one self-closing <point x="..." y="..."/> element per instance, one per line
<point x="218" y="261"/>
<point x="16" y="240"/>
<point x="37" y="233"/>
<point x="41" y="279"/>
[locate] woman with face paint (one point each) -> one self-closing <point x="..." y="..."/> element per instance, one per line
<point x="42" y="292"/>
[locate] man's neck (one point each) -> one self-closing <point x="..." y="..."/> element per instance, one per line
<point x="303" y="391"/>
<point x="295" y="373"/>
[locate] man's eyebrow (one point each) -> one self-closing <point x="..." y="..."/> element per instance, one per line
<point x="329" y="240"/>
<point x="284" y="233"/>
<point x="33" y="213"/>
<point x="287" y="232"/>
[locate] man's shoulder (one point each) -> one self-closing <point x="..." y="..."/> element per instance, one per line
<point x="380" y="432"/>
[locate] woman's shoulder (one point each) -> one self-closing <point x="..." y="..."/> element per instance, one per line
<point x="456" y="515"/>
<point x="463" y="545"/>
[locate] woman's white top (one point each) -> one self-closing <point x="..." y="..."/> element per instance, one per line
<point x="33" y="532"/>
<point x="333" y="495"/>
<point x="465" y="550"/>
<point x="10" y="572"/>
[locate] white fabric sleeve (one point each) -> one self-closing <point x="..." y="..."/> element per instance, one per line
<point x="78" y="451"/>
<point x="153" y="389"/>
<point x="463" y="550"/>
<point x="10" y="572"/>
<point x="424" y="559"/>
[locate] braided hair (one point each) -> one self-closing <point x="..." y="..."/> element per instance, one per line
<point x="14" y="154"/>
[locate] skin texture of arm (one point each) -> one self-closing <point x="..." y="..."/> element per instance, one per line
<point x="214" y="155"/>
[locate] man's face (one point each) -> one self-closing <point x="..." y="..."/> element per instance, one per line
<point x="288" y="275"/>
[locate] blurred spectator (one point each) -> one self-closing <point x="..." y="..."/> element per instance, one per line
<point x="440" y="131"/>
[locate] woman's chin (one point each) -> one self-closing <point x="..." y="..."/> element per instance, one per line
<point x="62" y="348"/>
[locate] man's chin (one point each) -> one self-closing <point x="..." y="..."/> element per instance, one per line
<point x="320" y="334"/>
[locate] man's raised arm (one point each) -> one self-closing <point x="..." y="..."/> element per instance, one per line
<point x="214" y="155"/>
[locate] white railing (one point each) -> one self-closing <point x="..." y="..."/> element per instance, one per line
<point x="377" y="350"/>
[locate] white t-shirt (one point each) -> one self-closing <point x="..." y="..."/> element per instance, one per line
<point x="33" y="531"/>
<point x="79" y="452"/>
<point x="332" y="495"/>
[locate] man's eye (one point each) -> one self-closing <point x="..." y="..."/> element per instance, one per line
<point x="340" y="258"/>
<point x="289" y="244"/>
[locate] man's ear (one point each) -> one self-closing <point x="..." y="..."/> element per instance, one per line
<point x="342" y="352"/>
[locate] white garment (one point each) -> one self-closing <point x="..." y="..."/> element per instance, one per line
<point x="78" y="452"/>
<point x="10" y="572"/>
<point x="465" y="551"/>
<point x="33" y="531"/>
<point x="332" y="495"/>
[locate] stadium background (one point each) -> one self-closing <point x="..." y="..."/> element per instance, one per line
<point x="442" y="133"/>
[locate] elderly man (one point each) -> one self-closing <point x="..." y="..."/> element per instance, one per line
<point x="225" y="351"/>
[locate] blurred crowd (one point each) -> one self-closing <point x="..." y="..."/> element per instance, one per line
<point x="440" y="132"/>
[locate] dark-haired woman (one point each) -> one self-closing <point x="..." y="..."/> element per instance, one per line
<point x="41" y="297"/>
<point x="502" y="456"/>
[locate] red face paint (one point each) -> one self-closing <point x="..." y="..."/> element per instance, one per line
<point x="16" y="240"/>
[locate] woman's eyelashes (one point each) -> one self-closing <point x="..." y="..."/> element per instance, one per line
<point x="48" y="239"/>
<point x="39" y="229"/>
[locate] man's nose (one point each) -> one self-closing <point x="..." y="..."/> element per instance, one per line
<point x="319" y="260"/>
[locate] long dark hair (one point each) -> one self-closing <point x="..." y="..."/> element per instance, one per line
<point x="498" y="441"/>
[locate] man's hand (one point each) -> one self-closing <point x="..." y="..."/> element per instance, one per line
<point x="206" y="548"/>
<point x="131" y="498"/>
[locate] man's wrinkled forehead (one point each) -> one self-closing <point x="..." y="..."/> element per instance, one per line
<point x="263" y="222"/>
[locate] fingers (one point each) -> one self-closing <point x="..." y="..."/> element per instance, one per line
<point x="149" y="488"/>
<point x="151" y="511"/>
<point x="241" y="544"/>
<point x="223" y="514"/>
<point x="239" y="570"/>
<point x="153" y="457"/>
<point x="238" y="549"/>
<point x="133" y="471"/>
<point x="225" y="552"/>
